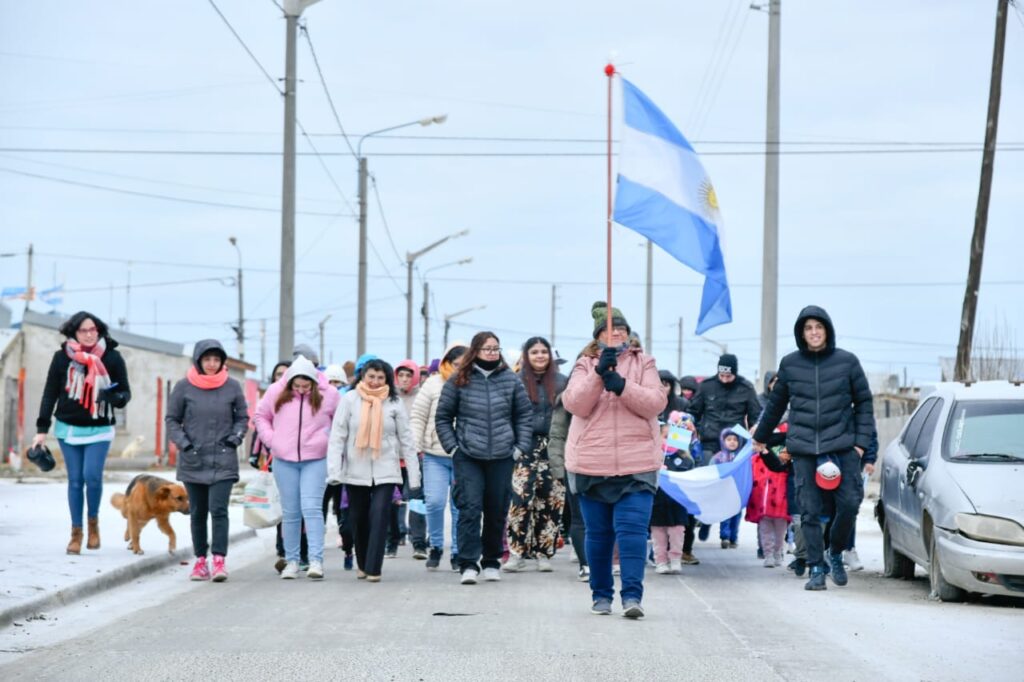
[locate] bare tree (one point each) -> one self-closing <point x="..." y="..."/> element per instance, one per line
<point x="997" y="353"/>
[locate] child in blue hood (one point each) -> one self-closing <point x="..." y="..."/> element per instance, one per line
<point x="731" y="442"/>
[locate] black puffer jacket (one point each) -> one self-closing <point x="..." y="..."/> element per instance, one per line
<point x="544" y="407"/>
<point x="829" y="399"/>
<point x="676" y="402"/>
<point x="488" y="418"/>
<point x="70" y="411"/>
<point x="718" y="406"/>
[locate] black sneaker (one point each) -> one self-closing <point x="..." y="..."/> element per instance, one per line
<point x="455" y="565"/>
<point x="348" y="562"/>
<point x="798" y="566"/>
<point x="838" y="570"/>
<point x="434" y="560"/>
<point x="280" y="564"/>
<point x="703" y="532"/>
<point x="817" y="581"/>
<point x="391" y="552"/>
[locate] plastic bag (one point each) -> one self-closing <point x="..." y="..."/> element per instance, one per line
<point x="262" y="501"/>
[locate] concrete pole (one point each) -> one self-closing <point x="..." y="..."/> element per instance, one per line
<point x="408" y="307"/>
<point x="679" y="350"/>
<point x="648" y="331"/>
<point x="426" y="323"/>
<point x="286" y="340"/>
<point x="770" y="263"/>
<point x="554" y="305"/>
<point x="323" y="323"/>
<point x="241" y="319"/>
<point x="361" y="302"/>
<point x="28" y="290"/>
<point x="263" y="348"/>
<point x="970" y="307"/>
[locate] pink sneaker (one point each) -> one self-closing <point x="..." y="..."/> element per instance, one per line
<point x="220" y="574"/>
<point x="200" y="571"/>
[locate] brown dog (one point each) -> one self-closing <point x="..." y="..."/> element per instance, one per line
<point x="147" y="498"/>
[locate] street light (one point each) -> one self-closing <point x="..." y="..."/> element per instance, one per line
<point x="361" y="302"/>
<point x="322" y="323"/>
<point x="448" y="320"/>
<point x="410" y="258"/>
<point x="426" y="300"/>
<point x="240" y="328"/>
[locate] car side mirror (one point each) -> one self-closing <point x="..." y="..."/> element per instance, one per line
<point x="914" y="469"/>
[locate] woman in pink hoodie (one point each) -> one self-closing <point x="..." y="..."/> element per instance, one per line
<point x="613" y="455"/>
<point x="294" y="420"/>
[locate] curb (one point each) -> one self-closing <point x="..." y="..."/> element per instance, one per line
<point x="106" y="581"/>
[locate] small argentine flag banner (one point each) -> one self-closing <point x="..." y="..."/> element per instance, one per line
<point x="664" y="194"/>
<point x="716" y="492"/>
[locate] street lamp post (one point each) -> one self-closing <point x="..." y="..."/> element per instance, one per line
<point x="363" y="173"/>
<point x="448" y="320"/>
<point x="322" y="324"/>
<point x="410" y="259"/>
<point x="240" y="328"/>
<point x="426" y="307"/>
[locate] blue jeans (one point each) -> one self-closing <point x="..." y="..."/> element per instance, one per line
<point x="438" y="477"/>
<point x="625" y="523"/>
<point x="730" y="529"/>
<point x="302" y="485"/>
<point x="85" y="473"/>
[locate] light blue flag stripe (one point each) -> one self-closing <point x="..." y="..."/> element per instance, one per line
<point x="642" y="114"/>
<point x="713" y="493"/>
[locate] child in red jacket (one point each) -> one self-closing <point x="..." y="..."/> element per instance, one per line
<point x="768" y="509"/>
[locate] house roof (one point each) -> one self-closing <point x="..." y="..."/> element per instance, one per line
<point x="125" y="338"/>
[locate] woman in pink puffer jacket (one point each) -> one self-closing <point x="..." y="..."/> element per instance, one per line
<point x="613" y="455"/>
<point x="294" y="420"/>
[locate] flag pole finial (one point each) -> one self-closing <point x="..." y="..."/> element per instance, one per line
<point x="609" y="70"/>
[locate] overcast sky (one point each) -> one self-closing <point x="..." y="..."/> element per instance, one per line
<point x="876" y="229"/>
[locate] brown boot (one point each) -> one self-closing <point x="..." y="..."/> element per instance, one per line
<point x="94" y="534"/>
<point x="75" y="546"/>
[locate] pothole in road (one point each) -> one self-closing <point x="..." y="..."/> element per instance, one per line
<point x="453" y="615"/>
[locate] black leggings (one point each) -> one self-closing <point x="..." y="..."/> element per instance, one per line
<point x="209" y="500"/>
<point x="577" y="530"/>
<point x="369" y="509"/>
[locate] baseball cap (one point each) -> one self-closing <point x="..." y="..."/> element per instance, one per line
<point x="828" y="474"/>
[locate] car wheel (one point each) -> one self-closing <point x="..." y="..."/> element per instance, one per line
<point x="941" y="589"/>
<point x="895" y="565"/>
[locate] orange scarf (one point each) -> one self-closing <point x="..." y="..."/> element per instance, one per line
<point x="445" y="370"/>
<point x="371" y="417"/>
<point x="207" y="382"/>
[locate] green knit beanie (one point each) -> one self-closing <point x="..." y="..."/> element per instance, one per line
<point x="599" y="311"/>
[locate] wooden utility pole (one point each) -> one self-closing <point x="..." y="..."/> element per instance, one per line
<point x="679" y="362"/>
<point x="554" y="306"/>
<point x="970" y="309"/>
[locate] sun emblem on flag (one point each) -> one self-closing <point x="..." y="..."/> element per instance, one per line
<point x="708" y="197"/>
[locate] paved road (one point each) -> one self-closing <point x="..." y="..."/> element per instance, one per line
<point x="728" y="618"/>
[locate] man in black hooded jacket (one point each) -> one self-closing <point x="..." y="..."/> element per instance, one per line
<point x="830" y="415"/>
<point x="721" y="402"/>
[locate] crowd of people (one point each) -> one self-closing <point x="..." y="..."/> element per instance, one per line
<point x="528" y="459"/>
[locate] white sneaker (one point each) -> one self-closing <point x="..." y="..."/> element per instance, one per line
<point x="544" y="564"/>
<point x="662" y="569"/>
<point x="316" y="571"/>
<point x="290" y="571"/>
<point x="677" y="567"/>
<point x="515" y="564"/>
<point x="852" y="561"/>
<point x="616" y="569"/>
<point x="583" y="575"/>
<point x="469" y="576"/>
<point x="769" y="562"/>
<point x="492" y="575"/>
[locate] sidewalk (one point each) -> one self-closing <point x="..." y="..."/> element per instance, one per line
<point x="37" y="575"/>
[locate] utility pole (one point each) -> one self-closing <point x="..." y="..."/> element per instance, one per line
<point x="28" y="291"/>
<point x="128" y="299"/>
<point x="263" y="347"/>
<point x="410" y="260"/>
<point x="679" y="350"/>
<point x="286" y="335"/>
<point x="426" y="323"/>
<point x="554" y="307"/>
<point x="361" y="299"/>
<point x="240" y="329"/>
<point x="323" y="323"/>
<point x="970" y="308"/>
<point x="650" y="298"/>
<point x="770" y="250"/>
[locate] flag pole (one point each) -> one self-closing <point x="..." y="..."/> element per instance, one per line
<point x="609" y="71"/>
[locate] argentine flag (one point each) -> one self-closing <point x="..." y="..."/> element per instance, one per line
<point x="664" y="194"/>
<point x="716" y="492"/>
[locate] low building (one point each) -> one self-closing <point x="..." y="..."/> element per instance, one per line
<point x="154" y="365"/>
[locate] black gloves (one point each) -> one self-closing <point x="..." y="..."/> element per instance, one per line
<point x="613" y="382"/>
<point x="607" y="361"/>
<point x="232" y="441"/>
<point x="254" y="460"/>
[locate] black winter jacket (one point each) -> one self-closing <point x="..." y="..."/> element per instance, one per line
<point x="488" y="418"/>
<point x="70" y="411"/>
<point x="544" y="407"/>
<point x="830" y="408"/>
<point x="200" y="422"/>
<point x="718" y="406"/>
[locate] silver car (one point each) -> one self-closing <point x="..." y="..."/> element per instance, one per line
<point x="953" y="491"/>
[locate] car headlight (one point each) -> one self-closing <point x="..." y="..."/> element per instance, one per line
<point x="990" y="529"/>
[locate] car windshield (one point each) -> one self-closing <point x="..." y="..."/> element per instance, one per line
<point x="986" y="430"/>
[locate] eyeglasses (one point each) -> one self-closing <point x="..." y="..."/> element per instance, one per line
<point x="490" y="349"/>
<point x="90" y="330"/>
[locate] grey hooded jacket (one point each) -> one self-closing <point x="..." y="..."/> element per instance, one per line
<point x="207" y="425"/>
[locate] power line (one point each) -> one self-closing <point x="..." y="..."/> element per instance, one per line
<point x="327" y="92"/>
<point x="730" y="12"/>
<point x="716" y="82"/>
<point x="246" y="48"/>
<point x="146" y="285"/>
<point x="151" y="195"/>
<point x="384" y="220"/>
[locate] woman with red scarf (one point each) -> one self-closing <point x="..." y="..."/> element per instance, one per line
<point x="207" y="419"/>
<point x="86" y="380"/>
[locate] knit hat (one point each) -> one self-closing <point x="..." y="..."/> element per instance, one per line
<point x="599" y="311"/>
<point x="301" y="368"/>
<point x="727" y="364"/>
<point x="336" y="373"/>
<point x="306" y="352"/>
